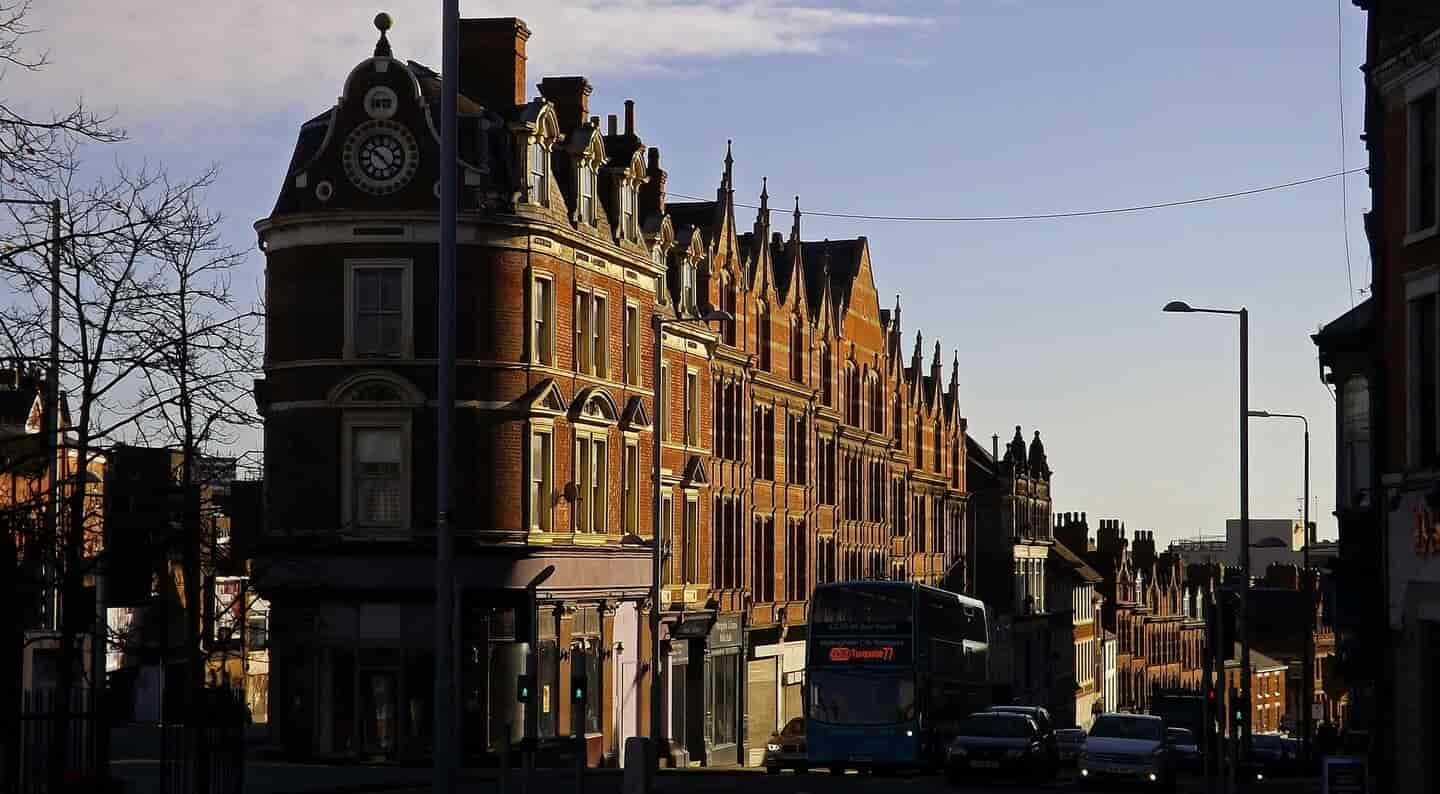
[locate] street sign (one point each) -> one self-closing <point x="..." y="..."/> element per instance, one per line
<point x="1343" y="775"/>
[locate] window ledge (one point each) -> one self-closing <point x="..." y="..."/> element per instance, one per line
<point x="1411" y="238"/>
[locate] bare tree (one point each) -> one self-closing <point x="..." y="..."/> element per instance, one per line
<point x="121" y="235"/>
<point x="36" y="148"/>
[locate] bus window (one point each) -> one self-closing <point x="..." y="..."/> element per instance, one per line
<point x="838" y="607"/>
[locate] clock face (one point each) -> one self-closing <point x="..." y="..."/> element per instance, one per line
<point x="380" y="157"/>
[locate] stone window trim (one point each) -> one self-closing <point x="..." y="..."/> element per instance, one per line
<point x="407" y="304"/>
<point x="1418" y="92"/>
<point x="591" y="438"/>
<point x="397" y="418"/>
<point x="1420" y="287"/>
<point x="536" y="425"/>
<point x="690" y="406"/>
<point x="533" y="348"/>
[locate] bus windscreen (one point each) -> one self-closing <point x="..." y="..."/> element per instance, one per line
<point x="861" y="610"/>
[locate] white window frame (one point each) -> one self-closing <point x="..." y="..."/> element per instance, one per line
<point x="687" y="284"/>
<point x="630" y="482"/>
<point x="352" y="420"/>
<point x="585" y="182"/>
<point x="542" y="329"/>
<point x="627" y="210"/>
<point x="539" y="173"/>
<point x="407" y="305"/>
<point x="631" y="333"/>
<point x="667" y="535"/>
<point x="691" y="515"/>
<point x="539" y="518"/>
<point x="600" y="334"/>
<point x="592" y="476"/>
<point x="1414" y="95"/>
<point x="691" y="405"/>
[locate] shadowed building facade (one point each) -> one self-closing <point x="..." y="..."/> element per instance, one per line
<point x="799" y="443"/>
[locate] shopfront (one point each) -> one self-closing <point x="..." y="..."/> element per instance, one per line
<point x="723" y="680"/>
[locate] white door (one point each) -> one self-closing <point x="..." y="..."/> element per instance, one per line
<point x="627" y="690"/>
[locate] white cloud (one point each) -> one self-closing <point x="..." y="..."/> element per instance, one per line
<point x="158" y="59"/>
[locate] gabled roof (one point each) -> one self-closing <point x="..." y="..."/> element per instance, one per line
<point x="699" y="214"/>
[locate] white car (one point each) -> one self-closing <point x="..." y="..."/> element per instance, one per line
<point x="1134" y="747"/>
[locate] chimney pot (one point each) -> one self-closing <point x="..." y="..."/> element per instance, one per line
<point x="492" y="60"/>
<point x="614" y="123"/>
<point x="571" y="98"/>
<point x="629" y="117"/>
<point x="595" y="121"/>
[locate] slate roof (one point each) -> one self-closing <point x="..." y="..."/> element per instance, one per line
<point x="1075" y="563"/>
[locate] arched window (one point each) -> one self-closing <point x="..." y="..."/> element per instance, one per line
<point x="877" y="405"/>
<point x="852" y="396"/>
<point x="797" y="351"/>
<point x="827" y="376"/>
<point x="762" y="335"/>
<point x="919" y="439"/>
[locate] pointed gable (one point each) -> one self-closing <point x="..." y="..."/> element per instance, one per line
<point x="543" y="398"/>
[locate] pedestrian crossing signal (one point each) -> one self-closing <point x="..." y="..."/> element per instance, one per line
<point x="525" y="688"/>
<point x="577" y="690"/>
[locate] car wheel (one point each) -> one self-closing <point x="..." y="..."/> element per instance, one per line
<point x="772" y="770"/>
<point x="800" y="770"/>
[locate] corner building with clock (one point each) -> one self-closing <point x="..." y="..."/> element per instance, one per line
<point x="805" y="442"/>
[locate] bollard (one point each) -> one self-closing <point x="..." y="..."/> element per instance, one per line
<point x="579" y="764"/>
<point x="639" y="757"/>
<point x="505" y="762"/>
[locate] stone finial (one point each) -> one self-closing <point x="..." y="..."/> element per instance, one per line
<point x="382" y="24"/>
<point x="795" y="224"/>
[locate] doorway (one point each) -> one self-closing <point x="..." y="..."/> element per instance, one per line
<point x="379" y="712"/>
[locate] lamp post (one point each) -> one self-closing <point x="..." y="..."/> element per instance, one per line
<point x="1308" y="689"/>
<point x="446" y="752"/>
<point x="657" y="544"/>
<point x="1242" y="619"/>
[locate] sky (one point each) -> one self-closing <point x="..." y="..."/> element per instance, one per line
<point x="958" y="108"/>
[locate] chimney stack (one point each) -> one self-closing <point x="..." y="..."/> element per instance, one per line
<point x="492" y="61"/>
<point x="614" y="124"/>
<point x="571" y="98"/>
<point x="629" y="117"/>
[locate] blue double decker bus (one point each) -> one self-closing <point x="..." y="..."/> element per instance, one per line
<point x="892" y="668"/>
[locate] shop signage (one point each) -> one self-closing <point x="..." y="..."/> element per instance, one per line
<point x="679" y="652"/>
<point x="726" y="632"/>
<point x="1343" y="775"/>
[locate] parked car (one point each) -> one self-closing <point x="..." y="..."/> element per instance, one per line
<point x="786" y="748"/>
<point x="1070" y="743"/>
<point x="1185" y="747"/>
<point x="1000" y="743"/>
<point x="1041" y="717"/>
<point x="1132" y="747"/>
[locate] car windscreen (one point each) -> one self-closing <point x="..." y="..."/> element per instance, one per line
<point x="1124" y="728"/>
<point x="1016" y="727"/>
<point x="795" y="727"/>
<point x="1181" y="736"/>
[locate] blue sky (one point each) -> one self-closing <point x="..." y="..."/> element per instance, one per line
<point x="969" y="107"/>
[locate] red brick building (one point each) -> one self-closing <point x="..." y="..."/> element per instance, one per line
<point x="800" y="444"/>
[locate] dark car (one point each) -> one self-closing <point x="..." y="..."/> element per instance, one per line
<point x="1041" y="717"/>
<point x="998" y="742"/>
<point x="1070" y="743"/>
<point x="786" y="748"/>
<point x="1184" y="747"/>
<point x="1273" y="756"/>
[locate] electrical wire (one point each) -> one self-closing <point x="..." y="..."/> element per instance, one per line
<point x="1044" y="216"/>
<point x="1340" y="112"/>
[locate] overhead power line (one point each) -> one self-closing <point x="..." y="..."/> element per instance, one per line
<point x="1045" y="216"/>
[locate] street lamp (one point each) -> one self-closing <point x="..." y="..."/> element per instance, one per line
<point x="1243" y="618"/>
<point x="1309" y="670"/>
<point x="657" y="432"/>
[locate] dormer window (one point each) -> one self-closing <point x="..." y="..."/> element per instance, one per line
<point x="627" y="212"/>
<point x="587" y="194"/>
<point x="539" y="174"/>
<point x="687" y="285"/>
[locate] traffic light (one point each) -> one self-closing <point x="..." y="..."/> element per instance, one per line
<point x="525" y="687"/>
<point x="578" y="691"/>
<point x="1241" y="708"/>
